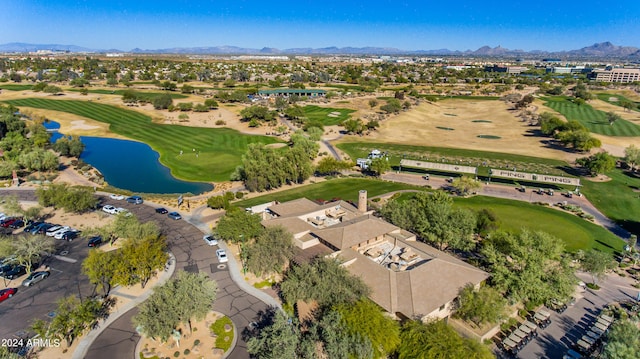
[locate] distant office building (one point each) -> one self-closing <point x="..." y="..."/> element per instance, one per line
<point x="569" y="70"/>
<point x="616" y="75"/>
<point x="506" y="69"/>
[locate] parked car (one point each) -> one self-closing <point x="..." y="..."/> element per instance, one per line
<point x="122" y="210"/>
<point x="222" y="256"/>
<point x="31" y="226"/>
<point x="162" y="210"/>
<point x="17" y="224"/>
<point x="426" y="177"/>
<point x="95" y="241"/>
<point x="6" y="267"/>
<point x="68" y="235"/>
<point x="2" y="216"/>
<point x="42" y="229"/>
<point x="7" y="293"/>
<point x="109" y="209"/>
<point x="135" y="200"/>
<point x="210" y="239"/>
<point x="117" y="197"/>
<point x="16" y="272"/>
<point x="34" y="278"/>
<point x="174" y="215"/>
<point x="7" y="222"/>
<point x="51" y="232"/>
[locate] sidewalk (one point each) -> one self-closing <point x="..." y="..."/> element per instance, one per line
<point x="87" y="340"/>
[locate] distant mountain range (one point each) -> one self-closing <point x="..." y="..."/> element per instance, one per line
<point x="603" y="50"/>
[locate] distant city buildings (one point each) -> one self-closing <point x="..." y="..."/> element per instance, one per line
<point x="623" y="75"/>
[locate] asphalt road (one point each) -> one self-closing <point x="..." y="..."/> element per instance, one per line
<point x="194" y="255"/>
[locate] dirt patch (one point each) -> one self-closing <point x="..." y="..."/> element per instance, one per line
<point x="195" y="344"/>
<point x="598" y="178"/>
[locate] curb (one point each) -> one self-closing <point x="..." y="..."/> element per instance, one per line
<point x="87" y="340"/>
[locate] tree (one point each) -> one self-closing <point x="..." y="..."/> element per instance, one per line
<point x="279" y="340"/>
<point x="331" y="166"/>
<point x="529" y="266"/>
<point x="162" y="102"/>
<point x="434" y="219"/>
<point x="259" y="113"/>
<point x="392" y="106"/>
<point x="353" y="126"/>
<point x="27" y="250"/>
<point x="600" y="162"/>
<point x="486" y="222"/>
<point x="549" y="123"/>
<point x="211" y="103"/>
<point x="632" y="156"/>
<point x="597" y="264"/>
<point x="323" y="280"/>
<point x="238" y="225"/>
<point x="485" y="305"/>
<point x="365" y="319"/>
<point x="628" y="105"/>
<point x="73" y="318"/>
<point x="100" y="267"/>
<point x="270" y="251"/>
<point x="71" y="198"/>
<point x="69" y="146"/>
<point x="525" y="101"/>
<point x="612" y="117"/>
<point x="437" y="340"/>
<point x="623" y="340"/>
<point x="140" y="259"/>
<point x="179" y="300"/>
<point x="51" y="89"/>
<point x="379" y="166"/>
<point x="464" y="184"/>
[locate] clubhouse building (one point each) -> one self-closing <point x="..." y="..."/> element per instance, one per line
<point x="408" y="278"/>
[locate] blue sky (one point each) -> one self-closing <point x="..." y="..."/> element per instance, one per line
<point x="407" y="25"/>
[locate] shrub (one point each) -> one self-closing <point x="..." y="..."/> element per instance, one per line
<point x="220" y="123"/>
<point x="176" y="354"/>
<point x="239" y="195"/>
<point x="187" y="352"/>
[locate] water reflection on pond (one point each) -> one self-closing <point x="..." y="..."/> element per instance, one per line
<point x="131" y="165"/>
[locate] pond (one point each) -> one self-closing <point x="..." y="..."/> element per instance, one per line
<point x="130" y="165"/>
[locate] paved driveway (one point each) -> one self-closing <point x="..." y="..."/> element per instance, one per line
<point x="194" y="255"/>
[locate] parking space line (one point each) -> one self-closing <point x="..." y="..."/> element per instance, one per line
<point x="65" y="259"/>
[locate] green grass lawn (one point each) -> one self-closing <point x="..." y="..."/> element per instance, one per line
<point x="343" y="188"/>
<point x="321" y="114"/>
<point x="576" y="232"/>
<point x="219" y="149"/>
<point x="456" y="156"/>
<point x="146" y="95"/>
<point x="607" y="96"/>
<point x="617" y="198"/>
<point x="15" y="87"/>
<point x="594" y="120"/>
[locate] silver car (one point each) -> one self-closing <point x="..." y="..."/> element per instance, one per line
<point x="34" y="278"/>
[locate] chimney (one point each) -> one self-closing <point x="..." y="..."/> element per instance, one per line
<point x="362" y="200"/>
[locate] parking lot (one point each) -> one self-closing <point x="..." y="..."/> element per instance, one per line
<point x="38" y="301"/>
<point x="567" y="328"/>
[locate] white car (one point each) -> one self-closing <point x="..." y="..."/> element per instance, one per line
<point x="210" y="239"/>
<point x="122" y="210"/>
<point x="109" y="209"/>
<point x="52" y="230"/>
<point x="222" y="256"/>
<point x="117" y="197"/>
<point x="59" y="234"/>
<point x="60" y="230"/>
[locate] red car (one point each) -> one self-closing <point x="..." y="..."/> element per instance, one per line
<point x="7" y="293"/>
<point x="8" y="222"/>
